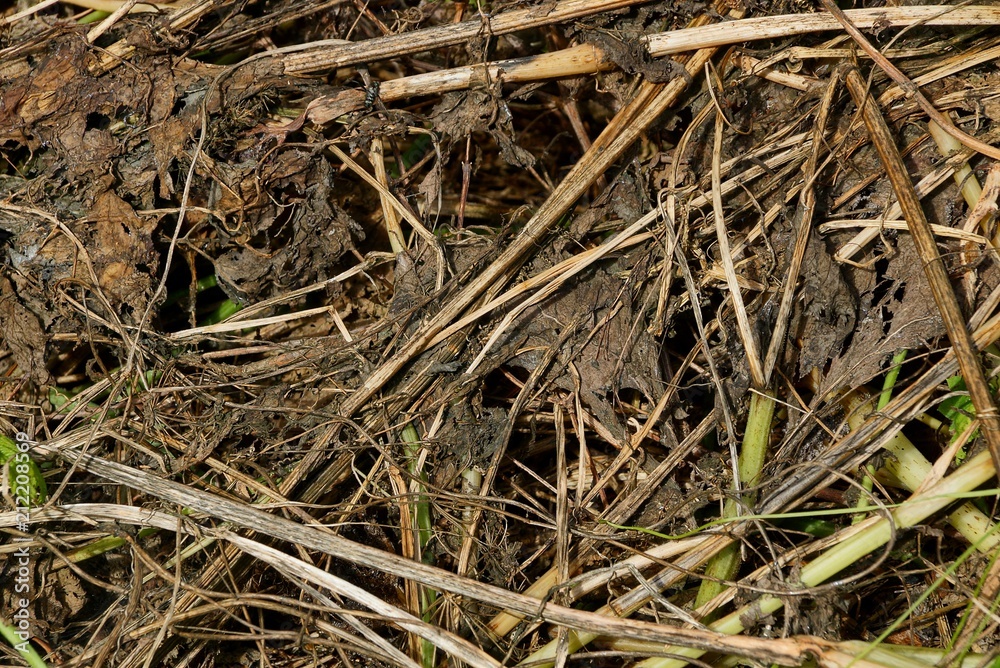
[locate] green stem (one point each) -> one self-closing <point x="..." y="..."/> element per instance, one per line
<point x="906" y="466"/>
<point x="225" y="309"/>
<point x="867" y="483"/>
<point x="724" y="566"/>
<point x="850" y="551"/>
<point x="23" y="647"/>
<point x="202" y="284"/>
<point x="424" y="529"/>
<point x="93" y="17"/>
<point x="890" y="379"/>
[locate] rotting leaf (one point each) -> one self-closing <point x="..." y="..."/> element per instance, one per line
<point x="122" y="246"/>
<point x="604" y="368"/>
<point x="461" y="114"/>
<point x="828" y="308"/>
<point x="23" y="334"/>
<point x="470" y="437"/>
<point x="895" y="313"/>
<point x="299" y="237"/>
<point x="626" y="51"/>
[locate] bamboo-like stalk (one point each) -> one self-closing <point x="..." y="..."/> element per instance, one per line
<point x="748" y="464"/>
<point x="327" y="55"/>
<point x="589" y="59"/>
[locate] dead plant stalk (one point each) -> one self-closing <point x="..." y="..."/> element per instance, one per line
<point x="937" y="276"/>
<point x="588" y="58"/>
<point x="323" y="56"/>
<point x="246" y="515"/>
<point x="908" y="87"/>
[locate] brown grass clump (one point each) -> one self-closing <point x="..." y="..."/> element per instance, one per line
<point x="604" y="332"/>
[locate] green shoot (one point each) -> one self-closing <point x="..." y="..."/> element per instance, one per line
<point x="226" y="309"/>
<point x="24" y="648"/>
<point x="724" y="566"/>
<point x="24" y="478"/>
<point x="867" y="483"/>
<point x="92" y="17"/>
<point x="959" y="412"/>
<point x="424" y="530"/>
